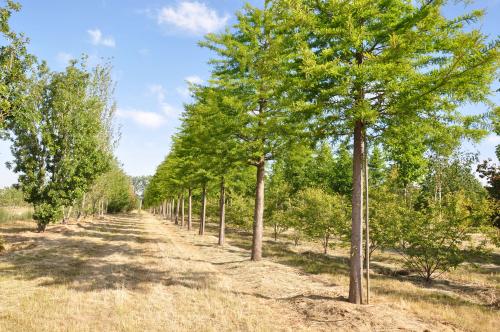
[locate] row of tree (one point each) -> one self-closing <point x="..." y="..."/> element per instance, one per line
<point x="61" y="128"/>
<point x="301" y="73"/>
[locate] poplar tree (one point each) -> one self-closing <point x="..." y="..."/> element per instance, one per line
<point x="373" y="67"/>
<point x="59" y="142"/>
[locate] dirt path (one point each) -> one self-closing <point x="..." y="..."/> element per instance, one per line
<point x="132" y="273"/>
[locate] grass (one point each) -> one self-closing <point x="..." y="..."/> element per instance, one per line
<point x="466" y="298"/>
<point x="15" y="213"/>
<point x="130" y="273"/>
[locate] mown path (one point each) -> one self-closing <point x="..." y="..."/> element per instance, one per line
<point x="139" y="273"/>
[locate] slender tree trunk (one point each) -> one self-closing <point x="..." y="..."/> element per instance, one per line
<point x="82" y="208"/>
<point x="164" y="214"/>
<point x="325" y="248"/>
<point x="275" y="232"/>
<point x="367" y="225"/>
<point x="222" y="213"/>
<point x="258" y="217"/>
<point x="177" y="206"/>
<point x="203" y="209"/>
<point x="172" y="210"/>
<point x="182" y="210"/>
<point x="355" y="286"/>
<point x="190" y="208"/>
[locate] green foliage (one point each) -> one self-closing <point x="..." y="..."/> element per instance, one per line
<point x="320" y="215"/>
<point x="15" y="63"/>
<point x="433" y="240"/>
<point x="11" y="196"/>
<point x="61" y="141"/>
<point x="239" y="212"/>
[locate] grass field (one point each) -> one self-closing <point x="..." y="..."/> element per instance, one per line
<point x="139" y="273"/>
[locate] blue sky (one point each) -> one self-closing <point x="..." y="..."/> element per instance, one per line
<point x="154" y="52"/>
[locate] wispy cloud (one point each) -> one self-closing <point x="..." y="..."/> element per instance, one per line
<point x="183" y="90"/>
<point x="193" y="17"/>
<point x="98" y="39"/>
<point x="145" y="119"/>
<point x="160" y="93"/>
<point x="63" y="58"/>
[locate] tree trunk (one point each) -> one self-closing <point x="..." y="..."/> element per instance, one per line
<point x="182" y="210"/>
<point x="355" y="287"/>
<point x="203" y="210"/>
<point x="190" y="208"/>
<point x="325" y="244"/>
<point x="275" y="232"/>
<point x="177" y="206"/>
<point x="367" y="226"/>
<point x="82" y="208"/>
<point x="222" y="213"/>
<point x="258" y="216"/>
<point x="172" y="210"/>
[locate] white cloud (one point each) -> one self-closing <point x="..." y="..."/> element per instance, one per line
<point x="194" y="79"/>
<point x="146" y="119"/>
<point x="64" y="58"/>
<point x="184" y="91"/>
<point x="160" y="93"/>
<point x="192" y="16"/>
<point x="97" y="38"/>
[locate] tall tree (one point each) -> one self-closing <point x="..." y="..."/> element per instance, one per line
<point x="246" y="68"/>
<point x="59" y="142"/>
<point x="373" y="67"/>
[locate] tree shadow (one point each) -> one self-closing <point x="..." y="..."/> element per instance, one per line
<point x="72" y="258"/>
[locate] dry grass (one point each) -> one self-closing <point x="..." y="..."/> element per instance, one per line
<point x="132" y="273"/>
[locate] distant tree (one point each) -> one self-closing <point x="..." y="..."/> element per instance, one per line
<point x="321" y="215"/>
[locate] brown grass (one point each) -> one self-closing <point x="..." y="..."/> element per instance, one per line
<point x="138" y="273"/>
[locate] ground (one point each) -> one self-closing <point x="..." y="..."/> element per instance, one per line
<point x="140" y="273"/>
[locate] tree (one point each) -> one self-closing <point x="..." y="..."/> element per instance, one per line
<point x="248" y="70"/>
<point x="432" y="239"/>
<point x="15" y="67"/>
<point x="391" y="63"/>
<point x="321" y="215"/>
<point x="59" y="143"/>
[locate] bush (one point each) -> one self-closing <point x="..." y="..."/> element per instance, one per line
<point x="433" y="240"/>
<point x="239" y="212"/>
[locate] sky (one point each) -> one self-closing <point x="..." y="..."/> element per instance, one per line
<point x="152" y="45"/>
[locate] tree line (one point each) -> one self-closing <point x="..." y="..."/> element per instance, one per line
<point x="325" y="106"/>
<point x="61" y="129"/>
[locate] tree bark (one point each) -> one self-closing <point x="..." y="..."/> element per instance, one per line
<point x="177" y="206"/>
<point x="355" y="287"/>
<point x="325" y="247"/>
<point x="182" y="210"/>
<point x="164" y="214"/>
<point x="82" y="208"/>
<point x="190" y="208"/>
<point x="258" y="217"/>
<point x="203" y="210"/>
<point x="367" y="226"/>
<point x="222" y="213"/>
